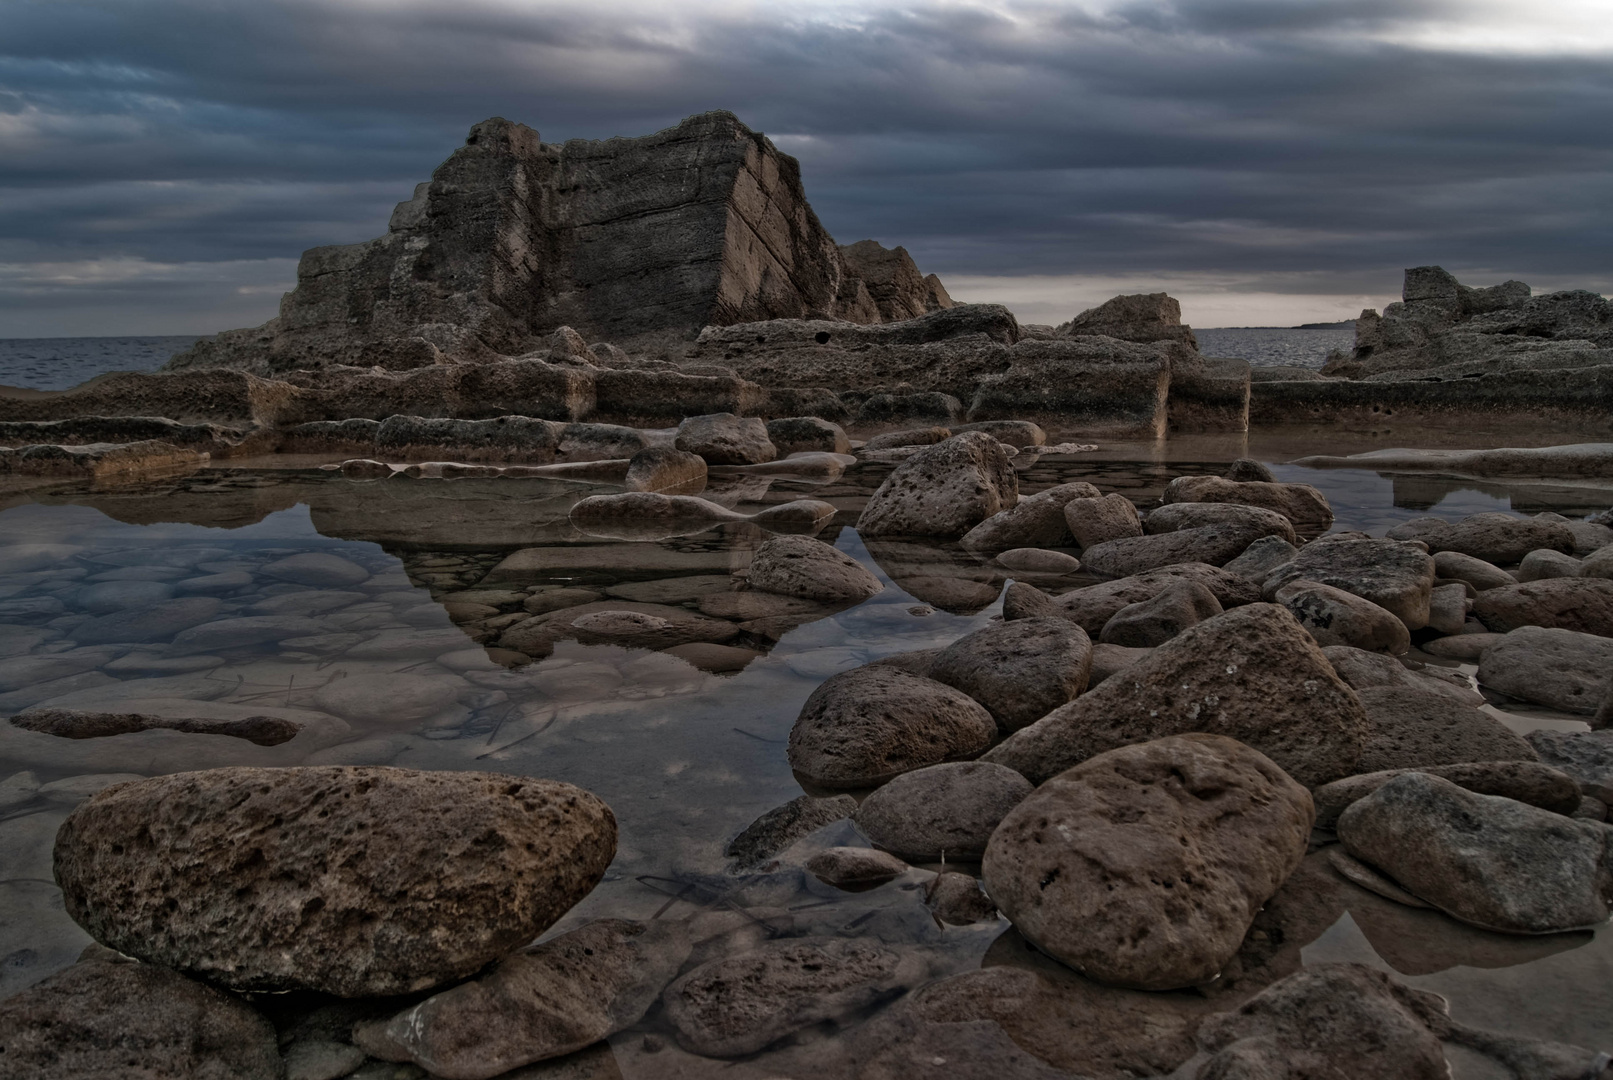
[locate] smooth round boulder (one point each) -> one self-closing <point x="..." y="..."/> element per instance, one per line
<point x="1020" y="670"/>
<point x="1036" y="521"/>
<point x="1335" y="617"/>
<point x="811" y="570"/>
<point x="1584" y="604"/>
<point x="1029" y="560"/>
<point x="943" y="490"/>
<point x="1494" y="537"/>
<point x="665" y="470"/>
<point x="726" y="439"/>
<point x="854" y="868"/>
<point x="1155" y="621"/>
<point x="1213" y="544"/>
<point x="1545" y="563"/>
<point x="352" y="881"/>
<point x="1557" y="668"/>
<point x="1476" y="572"/>
<point x="1173" y="517"/>
<point x="797" y="434"/>
<point x="1301" y="504"/>
<point x="1144" y="866"/>
<point x="1096" y="520"/>
<point x="943" y="811"/>
<point x="870" y="724"/>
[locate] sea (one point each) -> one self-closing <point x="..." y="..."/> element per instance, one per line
<point x="59" y="363"/>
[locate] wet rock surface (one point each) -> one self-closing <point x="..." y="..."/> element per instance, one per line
<point x="330" y="878"/>
<point x="1144" y="866"/>
<point x="943" y="811"/>
<point x="855" y="868"/>
<point x="1483" y="859"/>
<point x="784" y="825"/>
<point x="105" y="1018"/>
<point x="1019" y="670"/>
<point x="810" y="569"/>
<point x="77" y="724"/>
<point x="1252" y="674"/>
<point x="1155" y="621"/>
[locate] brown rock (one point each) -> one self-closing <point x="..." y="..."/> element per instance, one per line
<point x="1144" y="866"/>
<point x="1526" y="781"/>
<point x="1413" y="728"/>
<point x="1025" y="601"/>
<point x="1493" y="537"/>
<point x="809" y="569"/>
<point x="943" y="490"/>
<point x="855" y="868"/>
<point x="350" y="881"/>
<point x="1090" y="608"/>
<point x="784" y="825"/>
<point x="76" y="724"/>
<point x="1211" y="544"/>
<point x="941" y="811"/>
<point x="957" y="900"/>
<point x="666" y="470"/>
<point x="1302" y="504"/>
<point x="1583" y="604"/>
<point x="1092" y="521"/>
<point x="1398" y="577"/>
<point x="1252" y="674"/>
<point x="1155" y="621"/>
<point x="1035" y="521"/>
<point x="1335" y="617"/>
<point x="726" y="439"/>
<point x="1476" y="572"/>
<point x="1192" y="515"/>
<point x="1019" y="670"/>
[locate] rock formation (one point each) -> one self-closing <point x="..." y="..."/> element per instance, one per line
<point x="702" y="224"/>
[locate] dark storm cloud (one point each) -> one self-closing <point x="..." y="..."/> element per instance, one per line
<point x="1298" y="146"/>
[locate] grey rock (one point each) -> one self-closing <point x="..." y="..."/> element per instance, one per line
<point x="1261" y="557"/>
<point x="943" y="490"/>
<point x="199" y="870"/>
<point x="159" y="622"/>
<point x="1093" y="520"/>
<point x="1093" y="606"/>
<point x="1244" y="470"/>
<point x="104" y="1018"/>
<point x="1191" y="515"/>
<point x="1036" y="521"/>
<point x="1486" y="860"/>
<point x="1020" y="670"/>
<point x="1145" y="866"/>
<point x="957" y="899"/>
<point x="891" y="440"/>
<point x="618" y="622"/>
<point x="1109" y="660"/>
<point x="784" y="825"/>
<point x="1547" y="563"/>
<point x="942" y="811"/>
<point x="1301" y="504"/>
<point x="1335" y="617"/>
<point x="726" y="439"/>
<point x="77" y="724"/>
<point x="1526" y="781"/>
<point x="1155" y="621"/>
<point x="1415" y="728"/>
<point x="646" y="515"/>
<point x="1468" y="647"/>
<point x="870" y="724"/>
<point x="1345" y="1020"/>
<point x="1252" y="674"/>
<point x="1025" y="601"/>
<point x="1141" y="317"/>
<point x="1209" y="544"/>
<point x="855" y="868"/>
<point x="215" y="584"/>
<point x="1493" y="537"/>
<point x="795" y="434"/>
<point x="1447" y="608"/>
<point x="1553" y="667"/>
<point x="1396" y="576"/>
<point x="317" y="569"/>
<point x="1476" y="572"/>
<point x="739" y="1004"/>
<point x="1589" y="537"/>
<point x="665" y="470"/>
<point x="1598" y="564"/>
<point x="1587" y="756"/>
<point x="1583" y="604"/>
<point x="809" y="569"/>
<point x="544" y="1002"/>
<point x="19" y="672"/>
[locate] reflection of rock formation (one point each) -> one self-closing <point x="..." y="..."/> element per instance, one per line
<point x="703" y="223"/>
<point x="941" y="574"/>
<point x="1425" y="492"/>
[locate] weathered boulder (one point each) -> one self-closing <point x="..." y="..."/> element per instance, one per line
<point x="1396" y="576"/>
<point x="1587" y="756"/>
<point x="1145" y="866"/>
<point x="854" y="868"/>
<point x="1553" y="667"/>
<point x="1155" y="621"/>
<point x="1301" y="504"/>
<point x="784" y="825"/>
<point x="794" y="434"/>
<point x="943" y="490"/>
<point x="1092" y="520"/>
<point x="906" y="408"/>
<point x="1252" y="674"/>
<point x="726" y="439"/>
<point x="1191" y="515"/>
<point x="1261" y="557"/>
<point x="957" y="899"/>
<point x="647" y="515"/>
<point x="106" y="1018"/>
<point x="1362" y="670"/>
<point x="1093" y="606"/>
<point x="1545" y="563"/>
<point x="1582" y="604"/>
<point x="1019" y="670"/>
<point x="1447" y="607"/>
<point x="941" y="811"/>
<point x="1035" y="521"/>
<point x="1038" y="561"/>
<point x="1486" y="860"/>
<point x="541" y="1003"/>
<point x="1413" y="728"/>
<point x="350" y="881"/>
<point x="1017" y="433"/>
<point x="1526" y="781"/>
<point x="665" y="470"/>
<point x="1245" y="470"/>
<point x="891" y="440"/>
<point x="812" y="570"/>
<point x="1025" y="601"/>
<point x="739" y="1004"/>
<point x="1139" y="317"/>
<point x="893" y="283"/>
<point x="1209" y="544"/>
<point x="1493" y="537"/>
<point x="870" y="724"/>
<point x="1476" y="572"/>
<point x="1331" y="1020"/>
<point x="1335" y="617"/>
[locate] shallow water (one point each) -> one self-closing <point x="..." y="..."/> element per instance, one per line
<point x="1275" y="345"/>
<point x="59" y="363"/>
<point x="381" y="675"/>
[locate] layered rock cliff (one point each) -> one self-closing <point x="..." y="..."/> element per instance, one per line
<point x="626" y="240"/>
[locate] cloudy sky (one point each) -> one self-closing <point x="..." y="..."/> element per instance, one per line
<point x="163" y="162"/>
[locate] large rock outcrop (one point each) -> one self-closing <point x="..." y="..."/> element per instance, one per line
<point x="705" y="223"/>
